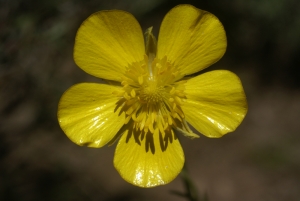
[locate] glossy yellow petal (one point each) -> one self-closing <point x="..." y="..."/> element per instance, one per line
<point x="191" y="38"/>
<point x="216" y="103"/>
<point x="145" y="169"/>
<point x="86" y="114"/>
<point x="107" y="42"/>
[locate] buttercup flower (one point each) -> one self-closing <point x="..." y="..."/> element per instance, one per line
<point x="150" y="97"/>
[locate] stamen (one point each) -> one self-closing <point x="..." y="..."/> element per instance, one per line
<point x="151" y="99"/>
<point x="178" y="100"/>
<point x="141" y="80"/>
<point x="127" y="96"/>
<point x="172" y="91"/>
<point x="132" y="93"/>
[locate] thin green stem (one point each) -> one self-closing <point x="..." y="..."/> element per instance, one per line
<point x="190" y="190"/>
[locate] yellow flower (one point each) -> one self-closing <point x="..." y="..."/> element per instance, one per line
<point x="150" y="98"/>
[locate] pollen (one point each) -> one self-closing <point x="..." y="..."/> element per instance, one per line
<point x="151" y="100"/>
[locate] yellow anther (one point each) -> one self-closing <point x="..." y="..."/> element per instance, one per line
<point x="162" y="71"/>
<point x="154" y="116"/>
<point x="180" y="94"/>
<point x="172" y="91"/>
<point x="124" y="83"/>
<point x="147" y="123"/>
<point x="126" y="96"/>
<point x="143" y="123"/>
<point x="160" y="127"/>
<point x="175" y="74"/>
<point x="140" y="79"/>
<point x="133" y="116"/>
<point x="127" y="119"/>
<point x="158" y="65"/>
<point x="171" y="100"/>
<point x="130" y="110"/>
<point x="166" y="126"/>
<point x="179" y="112"/>
<point x="132" y="93"/>
<point x="130" y="102"/>
<point x="178" y="100"/>
<point x="141" y="116"/>
<point x="174" y="106"/>
<point x="175" y="115"/>
<point x="151" y="128"/>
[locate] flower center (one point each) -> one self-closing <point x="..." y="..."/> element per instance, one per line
<point x="151" y="99"/>
<point x="151" y="93"/>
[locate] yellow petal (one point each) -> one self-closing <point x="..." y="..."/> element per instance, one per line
<point x="216" y="103"/>
<point x="107" y="42"/>
<point x="145" y="169"/>
<point x="191" y="38"/>
<point x="86" y="114"/>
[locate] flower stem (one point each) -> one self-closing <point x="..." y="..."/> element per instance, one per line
<point x="191" y="192"/>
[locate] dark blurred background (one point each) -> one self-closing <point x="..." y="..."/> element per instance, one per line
<point x="259" y="161"/>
